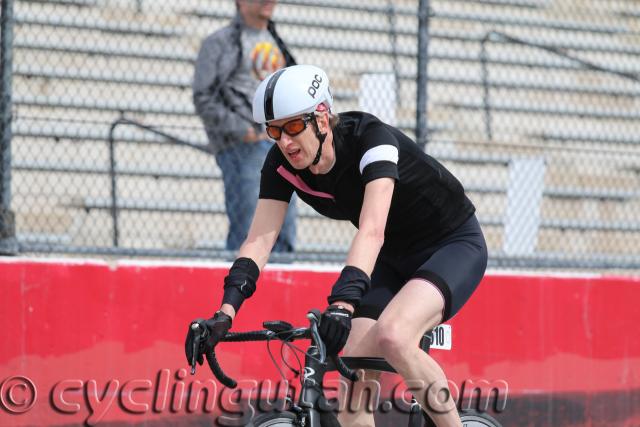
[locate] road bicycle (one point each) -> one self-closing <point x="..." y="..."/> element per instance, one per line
<point x="312" y="408"/>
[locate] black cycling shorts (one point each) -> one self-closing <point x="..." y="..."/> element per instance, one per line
<point x="455" y="265"/>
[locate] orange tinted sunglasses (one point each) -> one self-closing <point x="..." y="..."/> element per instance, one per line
<point x="292" y="127"/>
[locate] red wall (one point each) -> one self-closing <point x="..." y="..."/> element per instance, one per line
<point x="99" y="341"/>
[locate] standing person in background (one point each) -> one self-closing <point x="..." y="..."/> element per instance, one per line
<point x="231" y="64"/>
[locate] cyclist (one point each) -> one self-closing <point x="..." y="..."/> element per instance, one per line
<point x="418" y="254"/>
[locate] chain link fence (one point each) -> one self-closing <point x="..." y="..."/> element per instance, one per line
<point x="533" y="104"/>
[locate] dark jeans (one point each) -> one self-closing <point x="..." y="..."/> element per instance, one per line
<point x="241" y="167"/>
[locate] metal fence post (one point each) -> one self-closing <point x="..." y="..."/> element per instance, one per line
<point x="422" y="135"/>
<point x="393" y="38"/>
<point x="113" y="179"/>
<point x="485" y="86"/>
<point x="8" y="243"/>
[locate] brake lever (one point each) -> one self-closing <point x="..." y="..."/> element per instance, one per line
<point x="200" y="333"/>
<point x="314" y="319"/>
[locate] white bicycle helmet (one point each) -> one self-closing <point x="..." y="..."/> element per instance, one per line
<point x="291" y="91"/>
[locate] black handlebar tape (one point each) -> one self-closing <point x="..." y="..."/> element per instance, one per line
<point x="234" y="337"/>
<point x="262" y="335"/>
<point x="217" y="371"/>
<point x="343" y="369"/>
<point x="248" y="336"/>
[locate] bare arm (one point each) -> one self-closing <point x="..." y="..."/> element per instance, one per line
<point x="264" y="230"/>
<point x="368" y="240"/>
<point x="267" y="221"/>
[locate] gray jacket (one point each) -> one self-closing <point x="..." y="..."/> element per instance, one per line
<point x="225" y="113"/>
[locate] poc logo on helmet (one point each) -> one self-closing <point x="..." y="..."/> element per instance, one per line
<point x="315" y="85"/>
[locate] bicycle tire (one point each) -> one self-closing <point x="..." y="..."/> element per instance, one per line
<point x="275" y="419"/>
<point x="478" y="419"/>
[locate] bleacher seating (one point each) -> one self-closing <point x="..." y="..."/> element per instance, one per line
<point x="79" y="64"/>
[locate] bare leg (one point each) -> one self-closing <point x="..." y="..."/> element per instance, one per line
<point x="414" y="310"/>
<point x="360" y="395"/>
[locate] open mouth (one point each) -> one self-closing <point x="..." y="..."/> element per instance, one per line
<point x="293" y="153"/>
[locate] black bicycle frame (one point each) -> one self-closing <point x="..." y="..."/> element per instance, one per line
<point x="312" y="398"/>
<point x="312" y="404"/>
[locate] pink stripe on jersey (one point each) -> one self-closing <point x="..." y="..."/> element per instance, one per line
<point x="297" y="182"/>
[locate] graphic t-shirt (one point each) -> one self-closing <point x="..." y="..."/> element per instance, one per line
<point x="428" y="201"/>
<point x="260" y="57"/>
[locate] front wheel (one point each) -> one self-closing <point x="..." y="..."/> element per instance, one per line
<point x="275" y="419"/>
<point x="478" y="419"/>
<point x="469" y="419"/>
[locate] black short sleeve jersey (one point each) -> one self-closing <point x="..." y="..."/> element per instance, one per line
<point x="428" y="201"/>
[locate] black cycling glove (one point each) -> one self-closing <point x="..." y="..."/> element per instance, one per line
<point x="211" y="332"/>
<point x="335" y="325"/>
